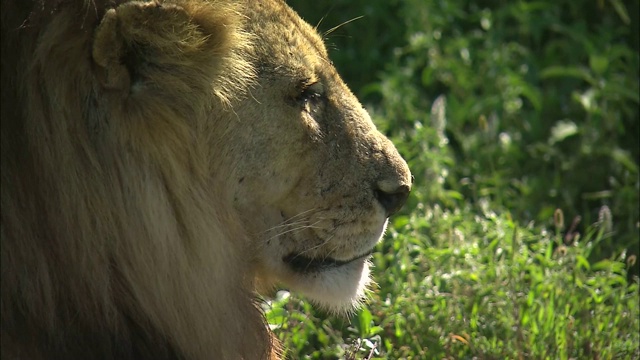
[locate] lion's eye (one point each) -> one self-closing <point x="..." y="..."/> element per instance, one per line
<point x="310" y="93"/>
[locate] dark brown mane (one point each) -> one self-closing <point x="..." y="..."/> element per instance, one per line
<point x="113" y="246"/>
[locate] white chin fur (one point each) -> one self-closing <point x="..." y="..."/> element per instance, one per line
<point x="338" y="290"/>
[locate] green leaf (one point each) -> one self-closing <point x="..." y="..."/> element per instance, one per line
<point x="399" y="327"/>
<point x="474" y="316"/>
<point x="530" y="298"/>
<point x="562" y="130"/>
<point x="454" y="195"/>
<point x="622" y="157"/>
<point x="606" y="264"/>
<point x="581" y="261"/>
<point x="587" y="99"/>
<point x="400" y="221"/>
<point x="613" y="88"/>
<point x="598" y="64"/>
<point x="276" y="317"/>
<point x="621" y="10"/>
<point x="375" y="330"/>
<point x="364" y="321"/>
<point x="568" y="71"/>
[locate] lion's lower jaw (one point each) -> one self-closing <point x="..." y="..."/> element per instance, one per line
<point x="338" y="289"/>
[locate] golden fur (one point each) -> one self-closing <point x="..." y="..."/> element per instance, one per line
<point x="162" y="161"/>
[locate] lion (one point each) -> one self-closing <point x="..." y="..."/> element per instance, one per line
<point x="164" y="163"/>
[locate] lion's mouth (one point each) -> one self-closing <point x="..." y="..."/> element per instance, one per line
<point x="303" y="264"/>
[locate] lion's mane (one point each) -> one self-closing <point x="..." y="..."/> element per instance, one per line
<point x="114" y="232"/>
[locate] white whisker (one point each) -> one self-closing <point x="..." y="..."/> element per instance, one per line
<point x="312" y="226"/>
<point x="294" y="220"/>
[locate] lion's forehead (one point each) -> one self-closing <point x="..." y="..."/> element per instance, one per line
<point x="282" y="38"/>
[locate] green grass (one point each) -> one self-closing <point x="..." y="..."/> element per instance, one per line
<point x="520" y="123"/>
<point x="462" y="284"/>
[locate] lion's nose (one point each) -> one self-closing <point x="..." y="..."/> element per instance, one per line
<point x="392" y="200"/>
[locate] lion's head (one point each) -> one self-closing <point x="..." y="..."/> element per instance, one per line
<point x="314" y="180"/>
<point x="161" y="160"/>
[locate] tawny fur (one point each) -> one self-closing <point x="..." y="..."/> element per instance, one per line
<point x="158" y="164"/>
<point x="115" y="244"/>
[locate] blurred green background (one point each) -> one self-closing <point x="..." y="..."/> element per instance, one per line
<point x="520" y="122"/>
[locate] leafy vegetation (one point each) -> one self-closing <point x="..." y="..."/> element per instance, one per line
<point x="520" y="123"/>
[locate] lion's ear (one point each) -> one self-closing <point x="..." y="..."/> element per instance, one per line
<point x="149" y="45"/>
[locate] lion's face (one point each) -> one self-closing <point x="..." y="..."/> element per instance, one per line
<point x="312" y="179"/>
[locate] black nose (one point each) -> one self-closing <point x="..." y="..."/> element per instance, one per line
<point x="393" y="201"/>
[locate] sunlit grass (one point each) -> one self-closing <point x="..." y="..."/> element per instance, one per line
<point x="460" y="285"/>
<point x="519" y="121"/>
